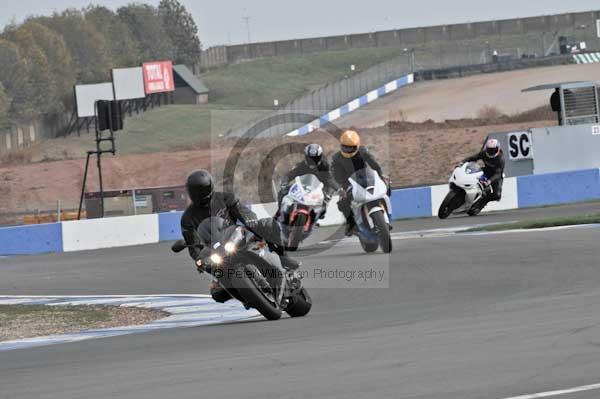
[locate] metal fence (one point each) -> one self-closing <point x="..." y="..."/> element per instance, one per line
<point x="324" y="99"/>
<point x="533" y="35"/>
<point x="318" y="102"/>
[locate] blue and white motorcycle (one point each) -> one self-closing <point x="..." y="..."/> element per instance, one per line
<point x="372" y="210"/>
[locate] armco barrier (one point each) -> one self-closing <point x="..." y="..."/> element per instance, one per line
<point x="520" y="192"/>
<point x="107" y="233"/>
<point x="353" y="105"/>
<point x="31" y="240"/>
<point x="558" y="188"/>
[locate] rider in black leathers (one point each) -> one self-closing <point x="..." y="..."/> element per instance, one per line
<point x="208" y="203"/>
<point x="493" y="170"/>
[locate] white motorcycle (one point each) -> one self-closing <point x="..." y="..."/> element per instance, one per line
<point x="467" y="187"/>
<point x="372" y="208"/>
<point x="300" y="210"/>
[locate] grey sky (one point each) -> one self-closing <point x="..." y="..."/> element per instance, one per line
<point x="221" y="22"/>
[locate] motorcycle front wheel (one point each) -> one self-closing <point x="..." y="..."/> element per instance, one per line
<point x="249" y="282"/>
<point x="296" y="232"/>
<point x="450" y="204"/>
<point x="383" y="231"/>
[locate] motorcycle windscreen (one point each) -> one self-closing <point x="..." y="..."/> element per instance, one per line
<point x="310" y="182"/>
<point x="212" y="230"/>
<point x="472" y="168"/>
<point x="364" y="177"/>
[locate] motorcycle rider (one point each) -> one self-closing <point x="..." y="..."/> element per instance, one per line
<point x="206" y="203"/>
<point x="314" y="164"/>
<point x="493" y="170"/>
<point x="352" y="157"/>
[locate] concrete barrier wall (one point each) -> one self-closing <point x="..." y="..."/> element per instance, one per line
<point x="31" y="240"/>
<point x="169" y="226"/>
<point x="558" y="188"/>
<point x="519" y="192"/>
<point x="108" y="233"/>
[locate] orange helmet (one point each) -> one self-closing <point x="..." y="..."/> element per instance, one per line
<point x="350" y="143"/>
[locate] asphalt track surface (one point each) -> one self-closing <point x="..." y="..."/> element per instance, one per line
<point x="485" y="316"/>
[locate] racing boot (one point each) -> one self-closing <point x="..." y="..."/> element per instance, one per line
<point x="218" y="293"/>
<point x="350" y="226"/>
<point x="289" y="263"/>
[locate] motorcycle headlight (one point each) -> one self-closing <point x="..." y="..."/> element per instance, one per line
<point x="230" y="248"/>
<point x="216" y="259"/>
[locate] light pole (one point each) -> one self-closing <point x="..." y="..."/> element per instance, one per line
<point x="247" y="19"/>
<point x="412" y="59"/>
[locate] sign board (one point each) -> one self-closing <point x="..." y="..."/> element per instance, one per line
<point x="598" y="27"/>
<point x="87" y="95"/>
<point x="158" y="77"/>
<point x="596" y="130"/>
<point x="520" y="146"/>
<point x="141" y="201"/>
<point x="128" y="83"/>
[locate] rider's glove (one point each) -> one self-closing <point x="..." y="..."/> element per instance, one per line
<point x="200" y="266"/>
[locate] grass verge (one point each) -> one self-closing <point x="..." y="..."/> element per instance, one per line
<point x="593" y="218"/>
<point x="28" y="321"/>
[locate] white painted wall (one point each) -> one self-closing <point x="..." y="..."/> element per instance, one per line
<point x="264" y="211"/>
<point x="111" y="232"/>
<point x="509" y="197"/>
<point x="438" y="193"/>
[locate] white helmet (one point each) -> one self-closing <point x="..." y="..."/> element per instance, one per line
<point x="492" y="148"/>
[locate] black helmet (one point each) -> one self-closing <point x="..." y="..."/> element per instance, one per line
<point x="313" y="155"/>
<point x="200" y="187"/>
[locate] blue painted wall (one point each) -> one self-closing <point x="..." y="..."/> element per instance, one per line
<point x="31" y="240"/>
<point x="169" y="226"/>
<point x="558" y="188"/>
<point x="411" y="203"/>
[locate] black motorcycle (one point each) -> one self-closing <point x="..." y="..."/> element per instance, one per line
<point x="250" y="270"/>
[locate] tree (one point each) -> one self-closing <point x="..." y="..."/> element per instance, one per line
<point x="87" y="46"/>
<point x="146" y="26"/>
<point x="55" y="75"/>
<point x="4" y="107"/>
<point x="182" y="30"/>
<point x="15" y="79"/>
<point x="123" y="46"/>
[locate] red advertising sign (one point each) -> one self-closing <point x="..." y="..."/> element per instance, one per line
<point x="158" y="77"/>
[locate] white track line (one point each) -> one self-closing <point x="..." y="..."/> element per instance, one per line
<point x="549" y="394"/>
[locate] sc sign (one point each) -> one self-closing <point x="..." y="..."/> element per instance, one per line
<point x="520" y="146"/>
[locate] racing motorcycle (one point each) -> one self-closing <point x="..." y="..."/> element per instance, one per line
<point x="372" y="208"/>
<point x="467" y="186"/>
<point x="300" y="210"/>
<point x="250" y="270"/>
